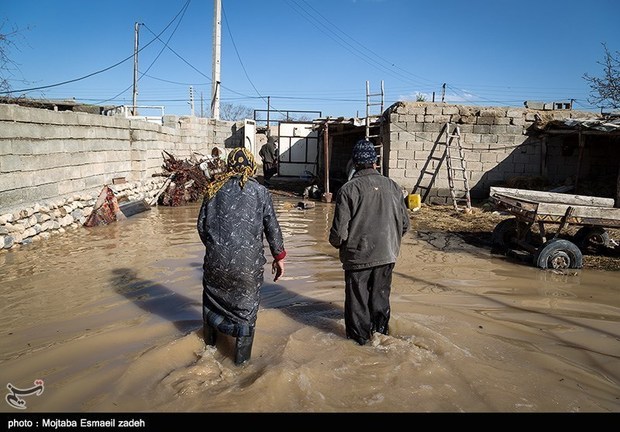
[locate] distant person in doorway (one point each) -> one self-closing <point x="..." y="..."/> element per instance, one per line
<point x="237" y="213"/>
<point x="269" y="156"/>
<point x="370" y="219"/>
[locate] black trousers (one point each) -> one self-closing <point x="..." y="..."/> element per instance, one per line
<point x="367" y="302"/>
<point x="269" y="170"/>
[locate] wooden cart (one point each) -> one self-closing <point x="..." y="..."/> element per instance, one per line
<point x="556" y="249"/>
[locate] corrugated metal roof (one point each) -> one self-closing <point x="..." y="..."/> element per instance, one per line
<point x="604" y="125"/>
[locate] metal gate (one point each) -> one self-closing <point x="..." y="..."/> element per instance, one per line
<point x="298" y="147"/>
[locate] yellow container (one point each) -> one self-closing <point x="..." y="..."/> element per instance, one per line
<point x="414" y="201"/>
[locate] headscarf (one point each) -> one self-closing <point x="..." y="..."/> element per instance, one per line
<point x="240" y="164"/>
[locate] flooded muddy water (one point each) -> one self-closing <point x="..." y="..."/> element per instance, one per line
<point x="109" y="319"/>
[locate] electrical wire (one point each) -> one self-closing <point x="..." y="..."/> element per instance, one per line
<point x="457" y="93"/>
<point x="363" y="51"/>
<point x="101" y="70"/>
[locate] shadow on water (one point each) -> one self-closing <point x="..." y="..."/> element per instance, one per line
<point x="181" y="310"/>
<point x="308" y="311"/>
<point x="158" y="299"/>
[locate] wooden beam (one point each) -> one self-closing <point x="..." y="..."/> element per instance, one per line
<point x="581" y="146"/>
<point x="543" y="157"/>
<point x="618" y="188"/>
<point x="327" y="196"/>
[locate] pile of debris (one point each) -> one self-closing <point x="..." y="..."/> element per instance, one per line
<point x="186" y="181"/>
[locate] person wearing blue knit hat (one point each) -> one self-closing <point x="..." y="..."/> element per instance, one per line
<point x="370" y="220"/>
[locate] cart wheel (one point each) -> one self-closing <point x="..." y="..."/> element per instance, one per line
<point x="559" y="254"/>
<point x="506" y="230"/>
<point x="592" y="237"/>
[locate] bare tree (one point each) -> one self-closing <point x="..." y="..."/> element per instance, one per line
<point x="7" y="66"/>
<point x="232" y="112"/>
<point x="301" y="118"/>
<point x="606" y="90"/>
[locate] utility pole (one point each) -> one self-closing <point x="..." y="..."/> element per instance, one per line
<point x="217" y="46"/>
<point x="191" y="100"/>
<point x="443" y="92"/>
<point x="134" y="108"/>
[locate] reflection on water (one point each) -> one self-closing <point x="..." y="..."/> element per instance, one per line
<point x="109" y="317"/>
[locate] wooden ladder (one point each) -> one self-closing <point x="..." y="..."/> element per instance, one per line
<point x="430" y="170"/>
<point x="372" y="100"/>
<point x="457" y="173"/>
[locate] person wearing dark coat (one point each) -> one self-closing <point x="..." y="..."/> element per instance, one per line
<point x="370" y="219"/>
<point x="269" y="156"/>
<point x="236" y="214"/>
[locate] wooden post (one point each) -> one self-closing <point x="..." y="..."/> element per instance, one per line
<point x="618" y="189"/>
<point x="543" y="157"/>
<point x="581" y="145"/>
<point x="327" y="196"/>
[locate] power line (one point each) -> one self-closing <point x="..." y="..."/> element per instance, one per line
<point x="265" y="99"/>
<point x="363" y="49"/>
<point x="182" y="13"/>
<point x="96" y="72"/>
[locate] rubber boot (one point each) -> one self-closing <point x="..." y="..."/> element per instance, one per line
<point x="383" y="329"/>
<point x="243" y="348"/>
<point x="209" y="334"/>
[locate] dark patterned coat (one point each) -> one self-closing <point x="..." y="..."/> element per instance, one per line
<point x="232" y="226"/>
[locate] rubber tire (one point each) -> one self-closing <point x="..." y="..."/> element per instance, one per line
<point x="591" y="237"/>
<point x="505" y="231"/>
<point x="559" y="254"/>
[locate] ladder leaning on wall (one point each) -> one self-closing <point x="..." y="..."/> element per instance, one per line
<point x="372" y="100"/>
<point x="457" y="173"/>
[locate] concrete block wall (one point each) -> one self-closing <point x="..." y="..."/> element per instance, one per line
<point x="48" y="155"/>
<point x="53" y="165"/>
<point x="41" y="220"/>
<point x="495" y="141"/>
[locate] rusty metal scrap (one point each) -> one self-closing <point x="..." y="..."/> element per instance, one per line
<point x="106" y="209"/>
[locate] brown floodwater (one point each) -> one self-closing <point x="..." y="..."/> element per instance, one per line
<point x="109" y="319"/>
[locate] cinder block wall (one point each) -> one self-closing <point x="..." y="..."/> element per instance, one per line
<point x="49" y="155"/>
<point x="495" y="144"/>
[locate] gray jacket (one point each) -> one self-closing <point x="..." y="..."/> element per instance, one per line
<point x="370" y="219"/>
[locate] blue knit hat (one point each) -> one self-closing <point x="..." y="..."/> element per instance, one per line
<point x="364" y="152"/>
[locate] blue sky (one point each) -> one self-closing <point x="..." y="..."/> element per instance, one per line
<point x="310" y="55"/>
